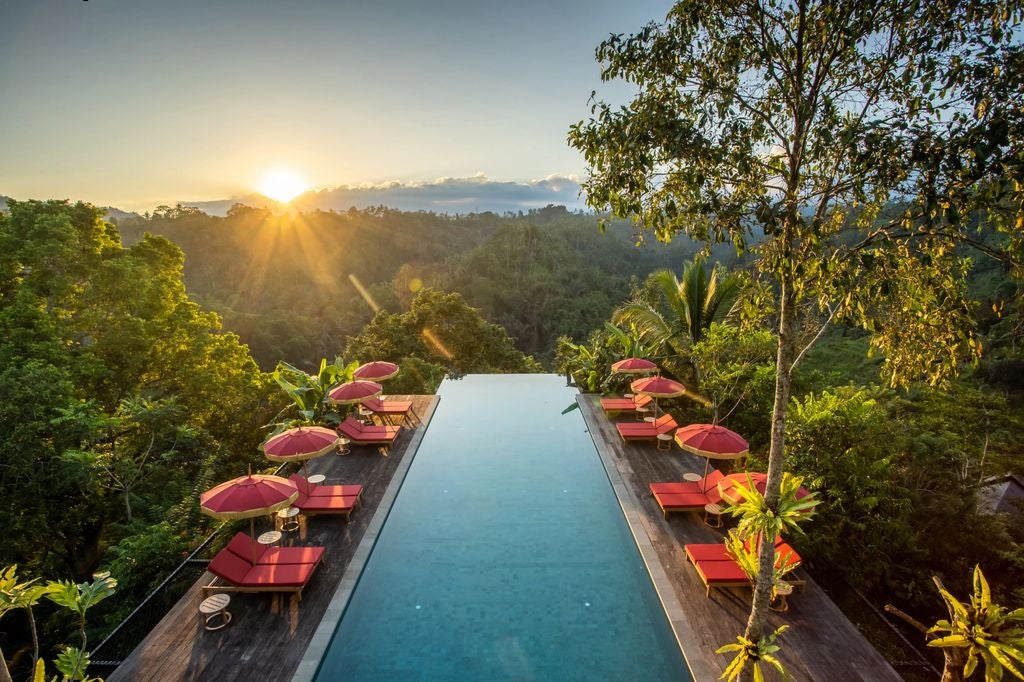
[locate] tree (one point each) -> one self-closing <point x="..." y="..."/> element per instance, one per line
<point x="689" y="307"/>
<point x="787" y="128"/>
<point x="440" y="328"/>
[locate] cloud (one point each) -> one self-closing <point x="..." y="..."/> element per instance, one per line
<point x="473" y="194"/>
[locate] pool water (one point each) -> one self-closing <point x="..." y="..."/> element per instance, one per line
<point x="505" y="555"/>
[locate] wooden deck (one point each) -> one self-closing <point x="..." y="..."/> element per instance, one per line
<point x="821" y="643"/>
<point x="269" y="633"/>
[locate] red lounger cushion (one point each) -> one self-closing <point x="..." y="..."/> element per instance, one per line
<point x="721" y="572"/>
<point x="389" y="406"/>
<point x="292" y="555"/>
<point x="617" y="404"/>
<point x="247" y="548"/>
<point x="714" y="551"/>
<point x="357" y="432"/>
<point x="337" y="503"/>
<point x="682" y="500"/>
<point x="243" y="546"/>
<point x="230" y="567"/>
<point x="705" y="485"/>
<point x="278" y="575"/>
<point x="336" y="490"/>
<point x="314" y="490"/>
<point x="642" y="430"/>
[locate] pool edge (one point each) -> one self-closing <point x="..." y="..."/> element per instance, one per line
<point x="635" y="518"/>
<point x="318" y="644"/>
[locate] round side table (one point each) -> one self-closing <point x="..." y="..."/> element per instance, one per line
<point x="270" y="537"/>
<point x="713" y="515"/>
<point x="692" y="478"/>
<point x="288" y="521"/>
<point x="665" y="441"/>
<point x="316" y="479"/>
<point x="214" y="606"/>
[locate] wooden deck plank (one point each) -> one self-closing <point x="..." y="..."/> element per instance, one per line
<point x="269" y="633"/>
<point x="821" y="644"/>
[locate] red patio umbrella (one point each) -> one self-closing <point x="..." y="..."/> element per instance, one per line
<point x="300" y="444"/>
<point x="354" y="392"/>
<point x="634" y="366"/>
<point x="711" y="441"/>
<point x="658" y="387"/>
<point x="378" y="370"/>
<point x="247" y="497"/>
<point x="727" y="486"/>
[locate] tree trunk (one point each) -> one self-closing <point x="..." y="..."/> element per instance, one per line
<point x="5" y="674"/>
<point x="954" y="668"/>
<point x="766" y="554"/>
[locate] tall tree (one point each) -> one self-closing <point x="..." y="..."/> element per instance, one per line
<point x="788" y="127"/>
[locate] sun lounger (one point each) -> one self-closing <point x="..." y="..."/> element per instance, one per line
<point x="362" y="434"/>
<point x="247" y="548"/>
<point x="388" y="409"/>
<point x="273" y="570"/>
<point x="647" y="430"/>
<point x="316" y="490"/>
<point x="311" y="503"/>
<point x="686" y="496"/>
<point x="717" y="568"/>
<point x="615" y="406"/>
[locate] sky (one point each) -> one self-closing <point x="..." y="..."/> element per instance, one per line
<point x="135" y="103"/>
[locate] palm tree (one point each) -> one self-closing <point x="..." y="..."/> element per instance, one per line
<point x="688" y="307"/>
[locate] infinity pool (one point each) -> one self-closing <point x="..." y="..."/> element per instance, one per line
<point x="505" y="555"/>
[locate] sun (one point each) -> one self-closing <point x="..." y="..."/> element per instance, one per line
<point x="281" y="184"/>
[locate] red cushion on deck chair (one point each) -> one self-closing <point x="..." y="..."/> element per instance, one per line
<point x="336" y="503"/>
<point x="278" y="575"/>
<point x="292" y="555"/>
<point x="682" y="500"/>
<point x="721" y="571"/>
<point x="230" y="567"/>
<point x="245" y="547"/>
<point x="714" y="551"/>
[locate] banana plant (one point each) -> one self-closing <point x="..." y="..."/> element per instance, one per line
<point x="979" y="632"/>
<point x="309" y="392"/>
<point x="754" y="654"/>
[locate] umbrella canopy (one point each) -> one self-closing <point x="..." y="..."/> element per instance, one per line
<point x="354" y="392"/>
<point x="634" y="366"/>
<point x="376" y="371"/>
<point x="712" y="441"/>
<point x="658" y="387"/>
<point x="247" y="497"/>
<point x="727" y="486"/>
<point x="301" y="443"/>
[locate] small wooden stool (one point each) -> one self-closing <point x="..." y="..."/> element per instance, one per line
<point x="343" y="446"/>
<point x="664" y="441"/>
<point x="214" y="606"/>
<point x="288" y="520"/>
<point x="713" y="512"/>
<point x="778" y="602"/>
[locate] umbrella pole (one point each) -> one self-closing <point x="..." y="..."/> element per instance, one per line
<point x="704" y="481"/>
<point x="252" y="537"/>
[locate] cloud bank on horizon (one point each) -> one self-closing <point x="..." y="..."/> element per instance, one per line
<point x="474" y="194"/>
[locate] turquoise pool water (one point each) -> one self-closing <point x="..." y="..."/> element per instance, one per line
<point x="505" y="555"/>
